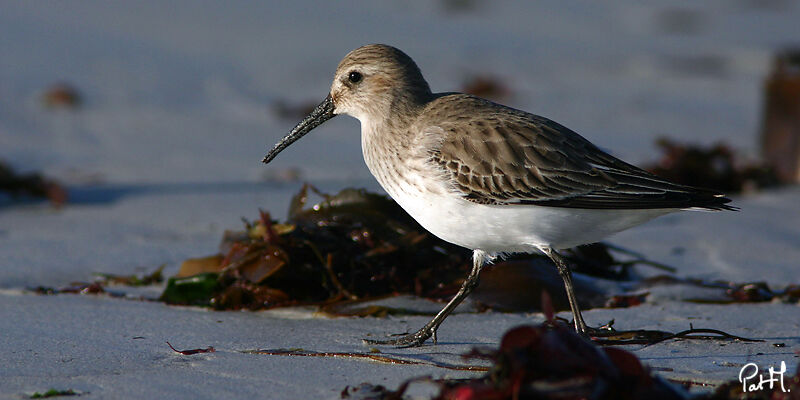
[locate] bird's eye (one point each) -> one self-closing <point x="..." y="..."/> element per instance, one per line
<point x="354" y="77"/>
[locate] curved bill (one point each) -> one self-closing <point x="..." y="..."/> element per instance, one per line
<point x="322" y="113"/>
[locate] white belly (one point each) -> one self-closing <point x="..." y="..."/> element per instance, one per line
<point x="516" y="228"/>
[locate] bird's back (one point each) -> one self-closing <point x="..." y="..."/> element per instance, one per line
<point x="495" y="154"/>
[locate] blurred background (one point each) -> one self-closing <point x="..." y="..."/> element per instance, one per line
<point x="153" y="116"/>
<point x="198" y="91"/>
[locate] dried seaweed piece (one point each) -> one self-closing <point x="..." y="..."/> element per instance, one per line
<point x="91" y="288"/>
<point x="258" y="258"/>
<point x="715" y="167"/>
<point x="626" y="300"/>
<point x="254" y="262"/>
<point x="550" y="361"/>
<point x="44" y="290"/>
<point x="54" y="393"/>
<point x="709" y="334"/>
<point x="190" y="352"/>
<point x="731" y="292"/>
<point x="650" y="337"/>
<point x="94" y="288"/>
<point x="371" y="356"/>
<point x="242" y="294"/>
<point x="756" y="292"/>
<point x="98" y="287"/>
<point x="607" y="335"/>
<point x="780" y="131"/>
<point x="196" y="266"/>
<point x="485" y="86"/>
<point x="792" y="293"/>
<point x="750" y="293"/>
<point x="30" y="185"/>
<point x="62" y="95"/>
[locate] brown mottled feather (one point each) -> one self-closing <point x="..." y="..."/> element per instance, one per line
<point x="500" y="155"/>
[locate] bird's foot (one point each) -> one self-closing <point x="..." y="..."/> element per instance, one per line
<point x="415" y="339"/>
<point x="601" y="331"/>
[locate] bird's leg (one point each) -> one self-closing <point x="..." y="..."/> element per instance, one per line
<point x="479" y="258"/>
<point x="566" y="275"/>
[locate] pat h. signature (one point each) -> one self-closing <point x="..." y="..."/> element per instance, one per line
<point x="749" y="373"/>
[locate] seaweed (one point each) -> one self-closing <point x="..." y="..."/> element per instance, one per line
<point x="190" y="352"/>
<point x="31" y="185"/>
<point x="54" y="393"/>
<point x="715" y="167"/>
<point x="551" y="361"/>
<point x="350" y="247"/>
<point x="63" y="96"/>
<point x="101" y="282"/>
<point x="486" y="86"/>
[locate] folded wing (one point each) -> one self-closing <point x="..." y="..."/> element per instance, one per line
<point x="499" y="155"/>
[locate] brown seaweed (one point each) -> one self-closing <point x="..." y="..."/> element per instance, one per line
<point x="190" y="352"/>
<point x="62" y="95"/>
<point x="551" y="361"/>
<point x="31" y="185"/>
<point x="351" y="246"/>
<point x="369" y="356"/>
<point x="715" y="167"/>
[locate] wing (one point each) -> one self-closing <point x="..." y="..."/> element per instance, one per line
<point x="499" y="155"/>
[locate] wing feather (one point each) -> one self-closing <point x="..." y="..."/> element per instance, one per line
<point x="500" y="155"/>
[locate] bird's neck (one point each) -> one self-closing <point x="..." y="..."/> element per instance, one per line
<point x="387" y="133"/>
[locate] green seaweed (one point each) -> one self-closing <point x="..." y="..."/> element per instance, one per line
<point x="54" y="393"/>
<point x="193" y="290"/>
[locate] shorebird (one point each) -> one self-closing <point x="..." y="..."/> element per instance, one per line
<point x="488" y="177"/>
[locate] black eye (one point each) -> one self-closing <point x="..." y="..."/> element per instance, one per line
<point x="354" y="77"/>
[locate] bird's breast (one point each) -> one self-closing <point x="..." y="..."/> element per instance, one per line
<point x="403" y="171"/>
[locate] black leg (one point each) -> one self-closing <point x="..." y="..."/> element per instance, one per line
<point x="479" y="258"/>
<point x="566" y="275"/>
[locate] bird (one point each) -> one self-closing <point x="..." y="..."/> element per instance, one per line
<point x="488" y="177"/>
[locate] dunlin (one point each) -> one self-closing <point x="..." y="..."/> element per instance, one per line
<point x="485" y="176"/>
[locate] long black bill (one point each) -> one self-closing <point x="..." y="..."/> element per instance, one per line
<point x="322" y="113"/>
